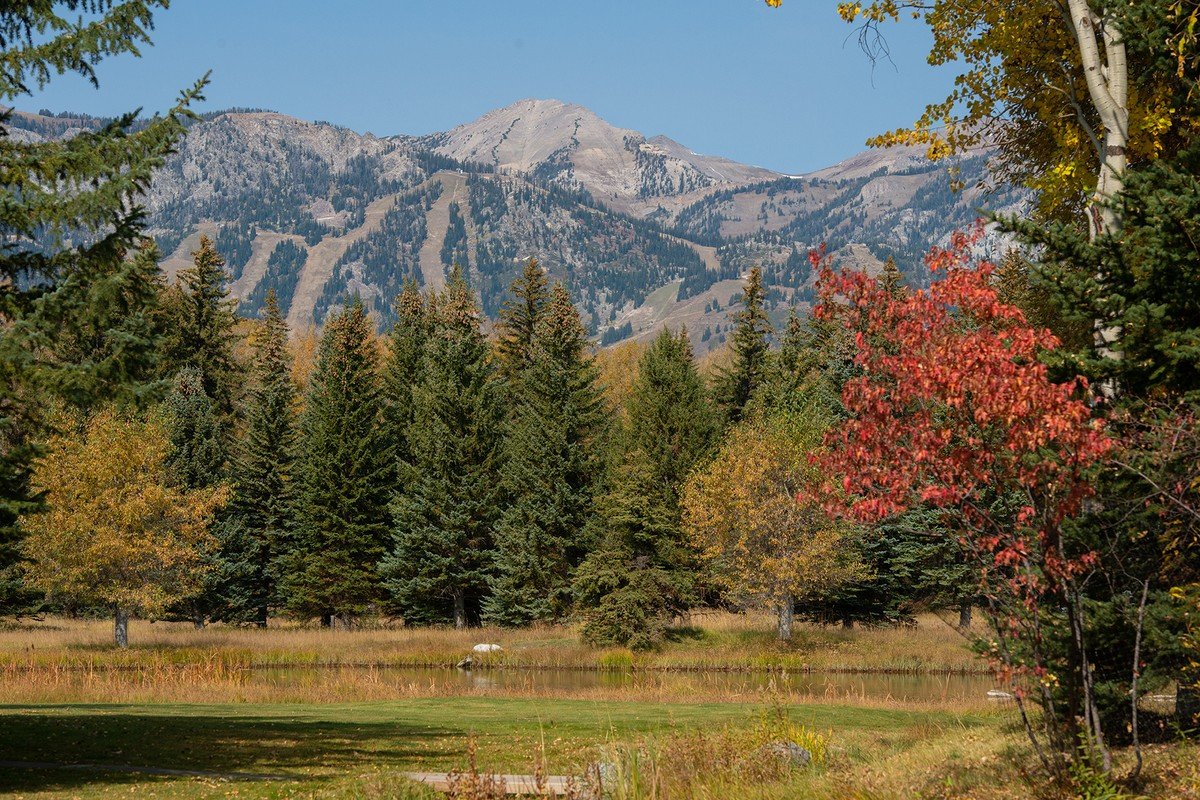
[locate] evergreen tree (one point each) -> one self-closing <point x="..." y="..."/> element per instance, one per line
<point x="343" y="479"/>
<point x="737" y="385"/>
<point x="641" y="572"/>
<point x="519" y="318"/>
<point x="442" y="551"/>
<point x="196" y="460"/>
<point x="551" y="469"/>
<point x="197" y="456"/>
<point x="70" y="215"/>
<point x="793" y="374"/>
<point x="105" y="348"/>
<point x="261" y="508"/>
<point x="670" y="418"/>
<point x="406" y="354"/>
<point x="890" y="277"/>
<point x="1018" y="284"/>
<point x="202" y="327"/>
<point x="639" y="576"/>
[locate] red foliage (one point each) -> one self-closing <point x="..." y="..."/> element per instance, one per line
<point x="954" y="410"/>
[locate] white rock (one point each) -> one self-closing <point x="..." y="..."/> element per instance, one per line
<point x="486" y="648"/>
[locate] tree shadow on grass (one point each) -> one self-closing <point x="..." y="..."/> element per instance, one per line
<point x="304" y="745"/>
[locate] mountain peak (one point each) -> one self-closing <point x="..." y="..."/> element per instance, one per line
<point x="572" y="145"/>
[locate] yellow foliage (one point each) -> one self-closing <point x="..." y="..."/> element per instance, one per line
<point x="742" y="511"/>
<point x="1020" y="85"/>
<point x="115" y="532"/>
<point x="303" y="347"/>
<point x="618" y="369"/>
<point x="1189" y="596"/>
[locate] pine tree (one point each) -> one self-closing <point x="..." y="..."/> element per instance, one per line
<point x="343" y="479"/>
<point x="551" y="469"/>
<point x="442" y="554"/>
<point x="202" y="327"/>
<point x="737" y="385"/>
<point x="641" y="572"/>
<point x="670" y="417"/>
<point x="87" y="185"/>
<point x="890" y="277"/>
<point x="197" y="456"/>
<point x="105" y="348"/>
<point x="196" y="460"/>
<point x="261" y="508"/>
<point x="518" y="320"/>
<point x="406" y="353"/>
<point x="640" y="575"/>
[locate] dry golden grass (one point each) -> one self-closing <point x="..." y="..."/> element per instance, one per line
<point x="715" y="640"/>
<point x="65" y="660"/>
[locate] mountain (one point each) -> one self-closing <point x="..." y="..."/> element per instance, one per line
<point x="569" y="146"/>
<point x="643" y="231"/>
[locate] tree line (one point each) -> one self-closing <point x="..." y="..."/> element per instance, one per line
<point x="441" y="476"/>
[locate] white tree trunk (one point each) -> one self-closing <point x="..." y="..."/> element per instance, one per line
<point x="121" y="627"/>
<point x="1107" y="77"/>
<point x="786" y="610"/>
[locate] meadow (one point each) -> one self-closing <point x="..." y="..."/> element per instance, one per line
<point x="323" y="713"/>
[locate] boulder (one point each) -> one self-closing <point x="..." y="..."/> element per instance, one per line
<point x="466" y="663"/>
<point x="787" y="752"/>
<point x="487" y="648"/>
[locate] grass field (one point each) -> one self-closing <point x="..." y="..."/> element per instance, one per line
<point x="348" y="747"/>
<point x="179" y="699"/>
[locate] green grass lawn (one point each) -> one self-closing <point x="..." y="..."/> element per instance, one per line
<point x="354" y="750"/>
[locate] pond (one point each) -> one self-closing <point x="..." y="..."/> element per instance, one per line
<point x="854" y="686"/>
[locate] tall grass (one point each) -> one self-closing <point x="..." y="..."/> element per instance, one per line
<point x="714" y="641"/>
<point x="68" y="660"/>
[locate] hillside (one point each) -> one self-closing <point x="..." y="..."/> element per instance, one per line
<point x="644" y="231"/>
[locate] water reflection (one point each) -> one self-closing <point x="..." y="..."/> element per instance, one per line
<point x="834" y="685"/>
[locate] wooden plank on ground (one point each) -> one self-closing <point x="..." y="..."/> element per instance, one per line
<point x="513" y="784"/>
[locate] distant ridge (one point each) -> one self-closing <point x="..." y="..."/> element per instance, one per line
<point x="643" y="231"/>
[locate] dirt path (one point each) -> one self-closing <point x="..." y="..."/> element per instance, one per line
<point x="437" y="222"/>
<point x="521" y="785"/>
<point x="321" y="258"/>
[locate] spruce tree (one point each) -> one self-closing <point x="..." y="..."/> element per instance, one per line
<point x="737" y="384"/>
<point x="197" y="457"/>
<point x="70" y="216"/>
<point x="553" y="463"/>
<point x="641" y="571"/>
<point x="406" y="354"/>
<point x="202" y="327"/>
<point x="442" y="552"/>
<point x="196" y="460"/>
<point x="641" y="574"/>
<point x="519" y="318"/>
<point x="261" y="508"/>
<point x="343" y="479"/>
<point x="106" y="346"/>
<point x="670" y="417"/>
<point x="890" y="277"/>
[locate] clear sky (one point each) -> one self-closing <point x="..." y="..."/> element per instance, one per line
<point x="787" y="89"/>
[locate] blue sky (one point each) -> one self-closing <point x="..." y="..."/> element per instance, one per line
<point x="787" y="89"/>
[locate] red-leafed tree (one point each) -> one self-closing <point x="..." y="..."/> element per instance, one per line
<point x="951" y="408"/>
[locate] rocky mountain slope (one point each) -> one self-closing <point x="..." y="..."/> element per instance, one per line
<point x="570" y="146"/>
<point x="644" y="231"/>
